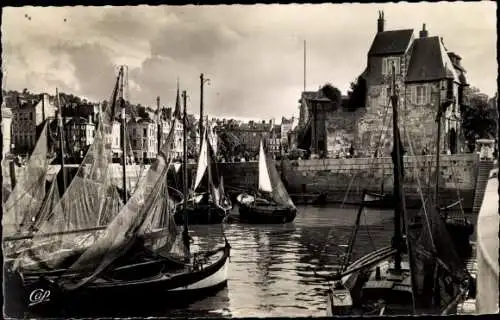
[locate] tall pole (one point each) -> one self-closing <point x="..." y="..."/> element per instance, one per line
<point x="61" y="139"/>
<point x="304" y="65"/>
<point x="397" y="175"/>
<point x="123" y="133"/>
<point x="201" y="108"/>
<point x="185" y="233"/>
<point x="159" y="126"/>
<point x="438" y="146"/>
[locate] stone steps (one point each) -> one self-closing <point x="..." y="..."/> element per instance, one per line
<point x="482" y="178"/>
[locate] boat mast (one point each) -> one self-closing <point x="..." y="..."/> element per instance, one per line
<point x="438" y="146"/>
<point x="184" y="171"/>
<point x="159" y="125"/>
<point x="61" y="140"/>
<point x="124" y="144"/>
<point x="209" y="171"/>
<point x="397" y="238"/>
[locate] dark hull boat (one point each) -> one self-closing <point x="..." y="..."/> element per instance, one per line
<point x="262" y="211"/>
<point x="140" y="252"/>
<point x="147" y="275"/>
<point x="272" y="204"/>
<point x="209" y="207"/>
<point x="459" y="228"/>
<point x="420" y="273"/>
<point x="200" y="212"/>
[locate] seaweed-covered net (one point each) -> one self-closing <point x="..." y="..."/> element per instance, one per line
<point x="28" y="195"/>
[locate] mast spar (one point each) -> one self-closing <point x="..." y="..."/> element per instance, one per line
<point x="61" y="139"/>
<point x="185" y="234"/>
<point x="396" y="158"/>
<point x="124" y="145"/>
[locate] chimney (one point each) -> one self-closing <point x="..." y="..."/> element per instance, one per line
<point x="380" y="22"/>
<point x="423" y="32"/>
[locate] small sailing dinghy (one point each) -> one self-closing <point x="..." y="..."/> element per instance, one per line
<point x="271" y="204"/>
<point x="419" y="274"/>
<point x="138" y="255"/>
<point x="212" y="205"/>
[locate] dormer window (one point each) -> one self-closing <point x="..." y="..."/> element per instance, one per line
<point x="387" y="65"/>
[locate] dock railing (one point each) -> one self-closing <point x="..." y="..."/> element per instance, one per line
<point x="487" y="249"/>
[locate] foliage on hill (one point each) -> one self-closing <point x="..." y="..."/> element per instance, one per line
<point x="479" y="118"/>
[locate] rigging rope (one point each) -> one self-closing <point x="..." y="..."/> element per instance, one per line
<point x="419" y="186"/>
<point x="385" y="125"/>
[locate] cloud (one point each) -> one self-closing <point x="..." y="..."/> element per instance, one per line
<point x="252" y="54"/>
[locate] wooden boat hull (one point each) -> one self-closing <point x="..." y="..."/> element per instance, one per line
<point x="144" y="282"/>
<point x="460" y="231"/>
<point x="201" y="214"/>
<point x="266" y="214"/>
<point x="353" y="295"/>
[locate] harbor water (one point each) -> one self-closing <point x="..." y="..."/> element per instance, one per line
<point x="277" y="270"/>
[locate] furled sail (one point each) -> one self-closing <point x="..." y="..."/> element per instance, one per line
<point x="135" y="219"/>
<point x="264" y="179"/>
<point x="439" y="275"/>
<point x="202" y="162"/>
<point x="28" y="195"/>
<point x="279" y="193"/>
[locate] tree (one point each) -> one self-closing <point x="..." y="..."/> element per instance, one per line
<point x="479" y="118"/>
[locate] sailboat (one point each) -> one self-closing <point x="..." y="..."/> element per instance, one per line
<point x="212" y="205"/>
<point x="272" y="204"/>
<point x="419" y="273"/>
<point x="138" y="254"/>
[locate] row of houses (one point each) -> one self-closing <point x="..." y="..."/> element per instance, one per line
<point x="244" y="137"/>
<point x="23" y="122"/>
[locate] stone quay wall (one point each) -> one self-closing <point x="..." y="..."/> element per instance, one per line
<point x="344" y="179"/>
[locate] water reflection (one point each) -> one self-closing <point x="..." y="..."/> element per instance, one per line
<point x="276" y="270"/>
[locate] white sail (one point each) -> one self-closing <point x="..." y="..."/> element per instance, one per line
<point x="264" y="179"/>
<point x="202" y="162"/>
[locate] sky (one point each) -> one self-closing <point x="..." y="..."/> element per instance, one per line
<point x="253" y="55"/>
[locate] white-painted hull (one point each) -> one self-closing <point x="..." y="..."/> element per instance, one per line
<point x="214" y="280"/>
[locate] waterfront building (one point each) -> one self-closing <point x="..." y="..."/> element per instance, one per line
<point x="252" y="132"/>
<point x="27" y="120"/>
<point x="286" y="127"/>
<point x="430" y="76"/>
<point x="143" y="138"/>
<point x="6" y="129"/>
<point x="80" y="133"/>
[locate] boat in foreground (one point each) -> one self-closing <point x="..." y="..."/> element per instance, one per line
<point x="419" y="273"/>
<point x="272" y="203"/>
<point x="138" y="254"/>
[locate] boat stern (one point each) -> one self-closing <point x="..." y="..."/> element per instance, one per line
<point x="339" y="300"/>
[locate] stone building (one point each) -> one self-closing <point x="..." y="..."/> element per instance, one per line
<point x="6" y="129"/>
<point x="27" y="120"/>
<point x="143" y="138"/>
<point x="428" y="77"/>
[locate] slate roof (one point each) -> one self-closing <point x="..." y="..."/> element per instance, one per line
<point x="390" y="42"/>
<point x="429" y="61"/>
